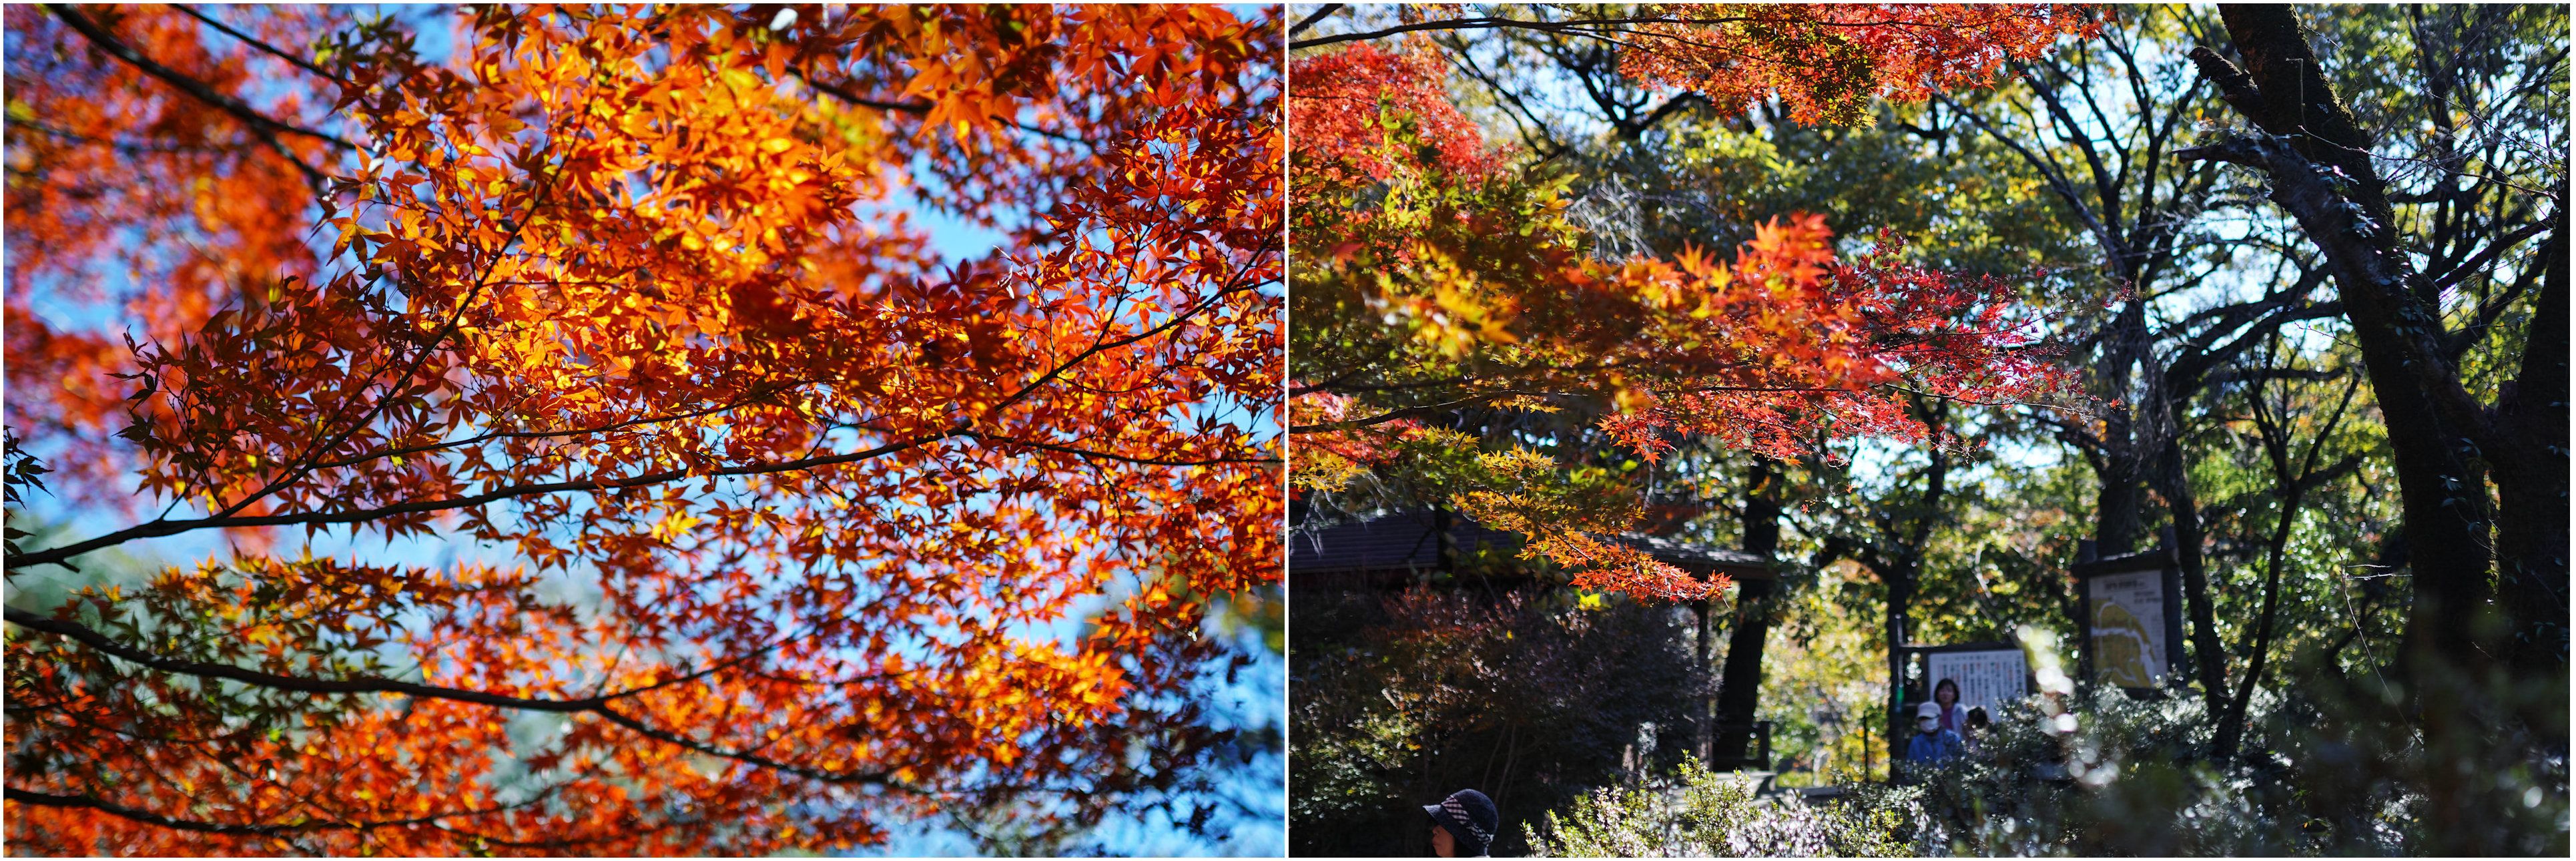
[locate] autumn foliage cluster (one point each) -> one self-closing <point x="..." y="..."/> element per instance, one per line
<point x="1433" y="275"/>
<point x="1827" y="62"/>
<point x="792" y="524"/>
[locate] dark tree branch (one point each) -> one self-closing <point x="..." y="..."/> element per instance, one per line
<point x="1580" y="27"/>
<point x="602" y="705"/>
<point x="159" y="528"/>
<point x="263" y="47"/>
<point x="2290" y="487"/>
<point x="1102" y="455"/>
<point x="2265" y="375"/>
<point x="2187" y="373"/>
<point x="759" y="394"/>
<point x="1317" y="17"/>
<point x="1525" y="121"/>
<point x="85" y="802"/>
<point x="108" y="42"/>
<point x="2235" y="87"/>
<point x="1669" y="108"/>
<point x="164" y="527"/>
<point x="101" y="642"/>
<point x="2452" y="276"/>
<point x="918" y="108"/>
<point x="2056" y="181"/>
<point x="1415" y="412"/>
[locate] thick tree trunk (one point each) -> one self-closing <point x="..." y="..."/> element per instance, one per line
<point x="2119" y="504"/>
<point x="2321" y="172"/>
<point x="1739" y="695"/>
<point x="2443" y="440"/>
<point x="2532" y="510"/>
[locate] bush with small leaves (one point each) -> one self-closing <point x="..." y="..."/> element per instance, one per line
<point x="1698" y="813"/>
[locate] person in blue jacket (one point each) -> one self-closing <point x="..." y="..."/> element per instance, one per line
<point x="1933" y="743"/>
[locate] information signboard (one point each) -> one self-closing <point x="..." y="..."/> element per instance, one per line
<point x="1986" y="679"/>
<point x="2129" y="626"/>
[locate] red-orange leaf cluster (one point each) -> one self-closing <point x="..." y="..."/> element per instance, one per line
<point x="801" y="527"/>
<point x="1347" y="100"/>
<point x="1827" y="61"/>
<point x="130" y="196"/>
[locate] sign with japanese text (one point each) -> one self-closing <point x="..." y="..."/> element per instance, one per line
<point x="1987" y="679"/>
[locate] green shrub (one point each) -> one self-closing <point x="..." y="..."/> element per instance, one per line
<point x="2330" y="766"/>
<point x="2132" y="777"/>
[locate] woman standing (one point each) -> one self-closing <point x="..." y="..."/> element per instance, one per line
<point x="1945" y="699"/>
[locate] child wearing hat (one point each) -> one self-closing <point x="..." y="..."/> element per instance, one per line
<point x="1463" y="825"/>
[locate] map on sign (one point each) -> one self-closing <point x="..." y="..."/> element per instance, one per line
<point x="2129" y="627"/>
<point x="1987" y="679"/>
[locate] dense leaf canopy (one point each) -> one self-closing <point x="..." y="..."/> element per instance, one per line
<point x="789" y="525"/>
<point x="1435" y="275"/>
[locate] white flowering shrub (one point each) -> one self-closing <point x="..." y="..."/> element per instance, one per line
<point x="1697" y="813"/>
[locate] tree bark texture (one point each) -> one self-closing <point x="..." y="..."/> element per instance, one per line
<point x="2532" y="511"/>
<point x="2321" y="171"/>
<point x="2446" y="445"/>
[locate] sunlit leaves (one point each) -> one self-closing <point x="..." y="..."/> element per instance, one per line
<point x="1827" y="63"/>
<point x="816" y="526"/>
<point x="1436" y="284"/>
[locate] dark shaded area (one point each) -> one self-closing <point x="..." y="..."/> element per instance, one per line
<point x="1531" y="695"/>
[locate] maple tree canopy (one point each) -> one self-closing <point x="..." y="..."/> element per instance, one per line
<point x="1433" y="273"/>
<point x="787" y="517"/>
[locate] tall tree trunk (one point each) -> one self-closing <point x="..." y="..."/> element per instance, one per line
<point x="2320" y="166"/>
<point x="2185" y="509"/>
<point x="1900" y="591"/>
<point x="2433" y="424"/>
<point x="1706" y="744"/>
<point x="2118" y="505"/>
<point x="1738" y="696"/>
<point x="2532" y="511"/>
<point x="1901" y="565"/>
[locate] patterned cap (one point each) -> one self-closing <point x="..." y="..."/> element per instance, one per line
<point x="1470" y="817"/>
